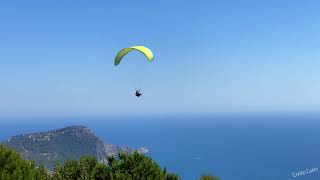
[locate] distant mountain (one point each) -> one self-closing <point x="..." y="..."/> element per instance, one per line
<point x="72" y="142"/>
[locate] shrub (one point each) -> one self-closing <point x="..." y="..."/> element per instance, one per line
<point x="208" y="177"/>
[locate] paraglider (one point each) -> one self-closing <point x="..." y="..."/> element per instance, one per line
<point x="144" y="50"/>
<point x="138" y="93"/>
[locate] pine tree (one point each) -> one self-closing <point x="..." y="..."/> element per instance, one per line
<point x="12" y="166"/>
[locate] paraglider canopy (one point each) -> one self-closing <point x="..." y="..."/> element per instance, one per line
<point x="144" y="50"/>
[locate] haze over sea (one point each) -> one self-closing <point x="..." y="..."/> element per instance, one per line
<point x="233" y="146"/>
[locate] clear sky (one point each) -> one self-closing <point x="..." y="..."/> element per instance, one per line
<point x="56" y="57"/>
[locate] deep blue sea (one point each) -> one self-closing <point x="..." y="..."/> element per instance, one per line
<point x="234" y="146"/>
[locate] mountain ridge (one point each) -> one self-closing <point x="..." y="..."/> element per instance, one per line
<point x="71" y="142"/>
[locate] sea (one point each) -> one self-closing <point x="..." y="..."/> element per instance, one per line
<point x="232" y="146"/>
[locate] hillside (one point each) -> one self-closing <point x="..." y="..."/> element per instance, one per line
<point x="71" y="142"/>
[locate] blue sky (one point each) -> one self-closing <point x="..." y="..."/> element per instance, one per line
<point x="56" y="57"/>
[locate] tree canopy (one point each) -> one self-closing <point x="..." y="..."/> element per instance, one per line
<point x="12" y="166"/>
<point x="132" y="166"/>
<point x="123" y="167"/>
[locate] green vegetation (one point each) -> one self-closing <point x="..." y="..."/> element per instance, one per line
<point x="208" y="177"/>
<point x="125" y="166"/>
<point x="12" y="166"/>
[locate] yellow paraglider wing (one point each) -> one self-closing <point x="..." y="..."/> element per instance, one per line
<point x="144" y="50"/>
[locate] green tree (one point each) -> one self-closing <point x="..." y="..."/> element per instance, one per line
<point x="137" y="166"/>
<point x="208" y="177"/>
<point x="12" y="166"/>
<point x="70" y="170"/>
<point x="87" y="164"/>
<point x="100" y="172"/>
<point x="123" y="167"/>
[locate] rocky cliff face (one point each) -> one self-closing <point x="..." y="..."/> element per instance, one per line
<point x="72" y="142"/>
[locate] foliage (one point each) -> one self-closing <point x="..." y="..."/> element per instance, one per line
<point x="12" y="166"/>
<point x="124" y="167"/>
<point x="208" y="177"/>
<point x="133" y="166"/>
